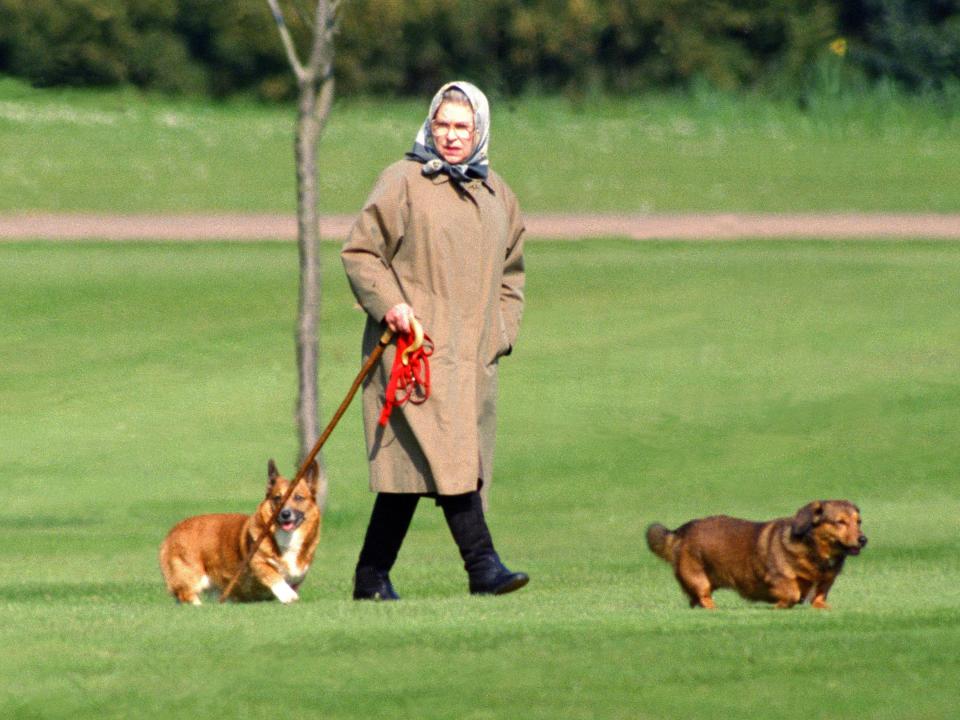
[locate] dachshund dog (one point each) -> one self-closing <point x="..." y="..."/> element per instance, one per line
<point x="784" y="561"/>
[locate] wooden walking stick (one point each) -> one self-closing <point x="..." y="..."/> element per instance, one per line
<point x="308" y="461"/>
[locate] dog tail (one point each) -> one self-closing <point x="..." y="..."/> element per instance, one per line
<point x="661" y="541"/>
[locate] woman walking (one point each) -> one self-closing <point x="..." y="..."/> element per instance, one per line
<point x="439" y="239"/>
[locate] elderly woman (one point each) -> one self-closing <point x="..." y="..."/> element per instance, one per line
<point x="440" y="239"/>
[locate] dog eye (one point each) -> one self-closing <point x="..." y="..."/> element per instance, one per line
<point x="277" y="498"/>
<point x="298" y="498"/>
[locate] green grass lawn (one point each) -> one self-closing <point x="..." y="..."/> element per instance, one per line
<point x="141" y="383"/>
<point x="69" y="150"/>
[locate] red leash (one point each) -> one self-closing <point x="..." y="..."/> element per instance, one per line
<point x="410" y="375"/>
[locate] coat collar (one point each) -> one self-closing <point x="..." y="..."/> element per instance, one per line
<point x="470" y="186"/>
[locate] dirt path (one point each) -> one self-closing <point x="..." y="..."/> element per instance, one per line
<point x="695" y="226"/>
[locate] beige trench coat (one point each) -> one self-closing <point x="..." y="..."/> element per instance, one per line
<point x="455" y="255"/>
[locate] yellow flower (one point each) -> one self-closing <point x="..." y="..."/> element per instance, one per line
<point x="839" y="47"/>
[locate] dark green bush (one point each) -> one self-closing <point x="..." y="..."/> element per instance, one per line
<point x="66" y="42"/>
<point x="506" y="46"/>
<point x="916" y="42"/>
<point x="620" y="45"/>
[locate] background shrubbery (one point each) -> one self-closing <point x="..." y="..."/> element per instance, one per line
<point x="399" y="47"/>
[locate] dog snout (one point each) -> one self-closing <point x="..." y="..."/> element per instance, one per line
<point x="286" y="515"/>
<point x="862" y="540"/>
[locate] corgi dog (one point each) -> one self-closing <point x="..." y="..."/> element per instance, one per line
<point x="202" y="554"/>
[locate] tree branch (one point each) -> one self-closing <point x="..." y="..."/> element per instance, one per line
<point x="320" y="64"/>
<point x="287" y="39"/>
<point x="324" y="103"/>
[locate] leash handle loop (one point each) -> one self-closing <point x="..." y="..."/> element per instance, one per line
<point x="410" y="376"/>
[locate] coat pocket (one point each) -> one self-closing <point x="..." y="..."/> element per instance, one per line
<point x="502" y="340"/>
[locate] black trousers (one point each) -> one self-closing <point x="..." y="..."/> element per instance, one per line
<point x="389" y="522"/>
<point x="391" y="517"/>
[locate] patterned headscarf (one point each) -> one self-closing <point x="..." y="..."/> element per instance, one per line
<point x="425" y="151"/>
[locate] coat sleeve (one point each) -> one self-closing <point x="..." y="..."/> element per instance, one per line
<point x="514" y="277"/>
<point x="372" y="243"/>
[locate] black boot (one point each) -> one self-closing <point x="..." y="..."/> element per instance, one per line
<point x="488" y="576"/>
<point x="389" y="523"/>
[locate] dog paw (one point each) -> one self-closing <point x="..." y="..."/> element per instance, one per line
<point x="284" y="593"/>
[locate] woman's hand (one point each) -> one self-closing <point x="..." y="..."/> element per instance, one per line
<point x="398" y="318"/>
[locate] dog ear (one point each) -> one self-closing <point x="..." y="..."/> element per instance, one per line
<point x="313" y="477"/>
<point x="272" y="474"/>
<point x="807" y="517"/>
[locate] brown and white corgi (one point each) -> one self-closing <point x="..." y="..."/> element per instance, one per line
<point x="203" y="553"/>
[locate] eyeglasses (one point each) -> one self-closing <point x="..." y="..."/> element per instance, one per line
<point x="443" y="129"/>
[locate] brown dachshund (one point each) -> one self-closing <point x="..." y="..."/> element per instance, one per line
<point x="783" y="561"/>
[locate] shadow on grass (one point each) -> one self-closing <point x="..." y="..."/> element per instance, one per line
<point x="74" y="592"/>
<point x="49" y="522"/>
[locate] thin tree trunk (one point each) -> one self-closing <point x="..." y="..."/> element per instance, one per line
<point x="314" y="108"/>
<point x="315" y="81"/>
<point x="308" y="235"/>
